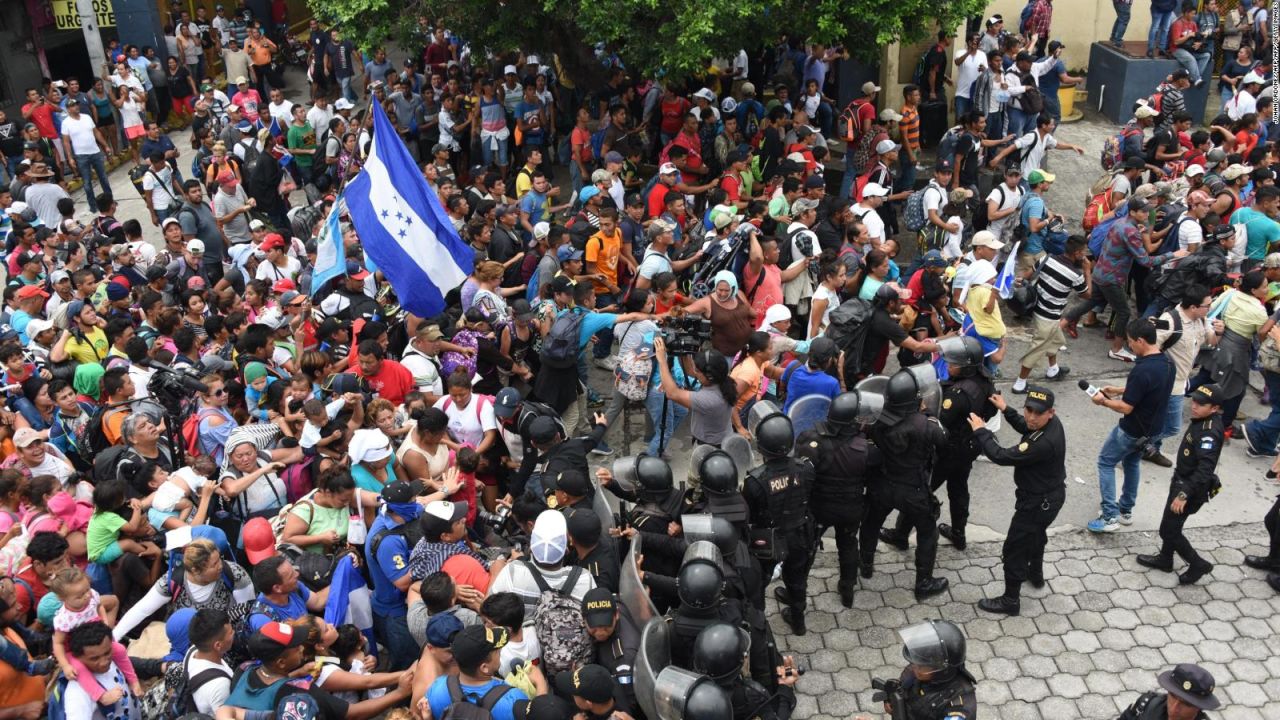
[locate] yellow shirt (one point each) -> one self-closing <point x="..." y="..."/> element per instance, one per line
<point x="988" y="324"/>
<point x="1244" y="314"/>
<point x="93" y="350"/>
<point x="524" y="181"/>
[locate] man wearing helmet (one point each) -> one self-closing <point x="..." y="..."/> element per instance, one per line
<point x="777" y="495"/>
<point x="936" y="685"/>
<point x="842" y="458"/>
<point x="1039" y="478"/>
<point x="718" y="652"/>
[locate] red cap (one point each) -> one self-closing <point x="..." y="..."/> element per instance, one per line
<point x="259" y="541"/>
<point x="30" y="291"/>
<point x="283" y="284"/>
<point x="272" y="241"/>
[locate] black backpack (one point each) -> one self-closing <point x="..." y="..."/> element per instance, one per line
<point x="462" y="708"/>
<point x="1032" y="101"/>
<point x="561" y="345"/>
<point x="785" y="257"/>
<point x="850" y="325"/>
<point x="410" y="531"/>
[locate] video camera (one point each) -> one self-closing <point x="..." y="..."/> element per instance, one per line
<point x="685" y="335"/>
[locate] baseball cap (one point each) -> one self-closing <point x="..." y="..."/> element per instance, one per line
<point x="886" y="146"/>
<point x="26" y="436"/>
<point x="944" y="166"/>
<point x="1209" y="394"/>
<point x="342" y="104"/>
<point x="869" y="87"/>
<point x="1039" y="398"/>
<point x="272" y="318"/>
<point x="634" y="200"/>
<point x="1234" y="172"/>
<point x="590" y="682"/>
<point x="705" y="94"/>
<point x="1040" y="176"/>
<point x="729" y="105"/>
<point x="667" y="169"/>
<point x="259" y="541"/>
<point x="890" y="115"/>
<point x="509" y="70"/>
<point x="543" y="429"/>
<point x="658" y="227"/>
<point x="271" y="242"/>
<point x="814" y="181"/>
<point x="58" y="276"/>
<point x="587" y="193"/>
<point x="573" y="482"/>
<point x="1145" y="111"/>
<point x="1272" y="260"/>
<point x="442" y="628"/>
<point x="27" y="292"/>
<point x="355" y="270"/>
<point x="474" y="643"/>
<point x="613" y="156"/>
<point x="288" y="296"/>
<point x="440" y="516"/>
<point x="1216" y="155"/>
<point x="116" y="291"/>
<point x="196" y="246"/>
<point x="599" y="607"/>
<point x="402" y="491"/>
<point x="986" y="238"/>
<point x="1252" y="78"/>
<point x="550" y="538"/>
<point x="332" y="325"/>
<point x="803" y="205"/>
<point x="875" y="190"/>
<point x="566" y="253"/>
<point x="823" y="349"/>
<point x="1180" y="74"/>
<point x="274" y="638"/>
<point x="37" y="326"/>
<point x="722" y="215"/>
<point x="1135" y="163"/>
<point x="284" y="285"/>
<point x="241" y="80"/>
<point x="933" y="259"/>
<point x="802" y="132"/>
<point x="994" y="20"/>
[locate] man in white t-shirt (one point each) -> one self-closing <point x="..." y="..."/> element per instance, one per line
<point x="1189" y="232"/>
<point x="91" y="644"/>
<point x="278" y="264"/>
<point x="868" y="211"/>
<point x="281" y="109"/>
<point x="935" y="195"/>
<point x="969" y="65"/>
<point x="1032" y="146"/>
<point x="160" y="187"/>
<point x="1003" y="202"/>
<point x="548" y="544"/>
<point x="804" y="243"/>
<point x="420" y="358"/>
<point x="318" y="117"/>
<point x="208" y="675"/>
<point x="84" y="146"/>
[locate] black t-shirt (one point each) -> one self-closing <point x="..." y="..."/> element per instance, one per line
<point x="11" y="139"/>
<point x="179" y="87"/>
<point x="1165" y="139"/>
<point x="319" y="44"/>
<point x="340" y="59"/>
<point x="1147" y="389"/>
<point x="935" y="58"/>
<point x="967" y="148"/>
<point x="884" y="329"/>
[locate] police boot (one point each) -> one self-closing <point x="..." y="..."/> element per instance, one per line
<point x="1036" y="578"/>
<point x="781" y="595"/>
<point x="1262" y="562"/>
<point x="1001" y="605"/>
<point x="956" y="537"/>
<point x="867" y="566"/>
<point x="795" y="619"/>
<point x="894" y="539"/>
<point x="1195" y="572"/>
<point x="845" y="587"/>
<point x="1156" y="562"/>
<point x="928" y="587"/>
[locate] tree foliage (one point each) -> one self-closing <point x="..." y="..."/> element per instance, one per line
<point x="668" y="38"/>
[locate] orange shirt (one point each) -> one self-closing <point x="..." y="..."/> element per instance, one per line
<point x="604" y="251"/>
<point x="259" y="50"/>
<point x="18" y="688"/>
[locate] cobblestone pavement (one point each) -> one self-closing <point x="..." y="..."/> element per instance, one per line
<point x="1085" y="646"/>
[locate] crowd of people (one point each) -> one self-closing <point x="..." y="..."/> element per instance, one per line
<point x="337" y="508"/>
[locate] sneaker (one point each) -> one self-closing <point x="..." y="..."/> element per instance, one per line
<point x="1122" y="355"/>
<point x="1126" y="518"/>
<point x="1153" y="456"/>
<point x="1103" y="525"/>
<point x="1252" y="450"/>
<point x="606" y="363"/>
<point x="602" y="449"/>
<point x="1019" y="390"/>
<point x="1063" y="371"/>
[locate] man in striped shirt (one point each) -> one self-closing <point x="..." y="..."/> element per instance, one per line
<point x="1056" y="277"/>
<point x="909" y="129"/>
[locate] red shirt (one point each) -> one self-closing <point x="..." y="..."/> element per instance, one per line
<point x="438" y="55"/>
<point x="658" y="199"/>
<point x="391" y="382"/>
<point x="25" y="601"/>
<point x="673" y="115"/>
<point x="42" y="116"/>
<point x="770" y="291"/>
<point x="1179" y="32"/>
<point x="692" y="143"/>
<point x="731" y="184"/>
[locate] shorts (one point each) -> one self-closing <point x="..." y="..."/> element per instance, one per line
<point x="1027" y="262"/>
<point x="105" y="121"/>
<point x="135" y="132"/>
<point x="1045" y="341"/>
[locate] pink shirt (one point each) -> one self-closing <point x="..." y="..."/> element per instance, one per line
<point x="770" y="291"/>
<point x="67" y="620"/>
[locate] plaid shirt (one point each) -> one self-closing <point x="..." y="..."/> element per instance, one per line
<point x="1122" y="248"/>
<point x="428" y="557"/>
<point x="1041" y="16"/>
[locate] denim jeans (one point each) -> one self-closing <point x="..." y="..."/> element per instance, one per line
<point x="392" y="632"/>
<point x="963" y="105"/>
<point x="826" y="118"/>
<point x="348" y="91"/>
<point x="1019" y="121"/>
<point x="675" y="415"/>
<point x="1265" y="433"/>
<point x="1158" y="36"/>
<point x="88" y="165"/>
<point x="1197" y="64"/>
<point x="1052" y="107"/>
<point x="850" y="172"/>
<point x="1122" y="19"/>
<point x="906" y="179"/>
<point x="1172" y="419"/>
<point x="1120" y="448"/>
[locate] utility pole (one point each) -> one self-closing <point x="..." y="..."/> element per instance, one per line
<point x="92" y="36"/>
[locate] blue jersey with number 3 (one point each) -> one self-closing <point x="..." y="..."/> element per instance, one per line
<point x="391" y="564"/>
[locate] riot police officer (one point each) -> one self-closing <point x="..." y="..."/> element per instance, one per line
<point x="658" y="503"/>
<point x="777" y="495"/>
<point x="841" y="458"/>
<point x="1039" y="474"/>
<point x="936" y="685"/>
<point x="718" y="653"/>
<point x="907" y="439"/>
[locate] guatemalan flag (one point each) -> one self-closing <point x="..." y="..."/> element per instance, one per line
<point x="1007" y="276"/>
<point x="330" y="258"/>
<point x="402" y="226"/>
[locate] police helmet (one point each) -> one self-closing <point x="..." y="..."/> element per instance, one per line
<point x="699" y="584"/>
<point x="718" y="652"/>
<point x="719" y="474"/>
<point x="844" y="409"/>
<point x="653" y="474"/>
<point x="708" y="701"/>
<point x="935" y="644"/>
<point x="775" y="436"/>
<point x="962" y="353"/>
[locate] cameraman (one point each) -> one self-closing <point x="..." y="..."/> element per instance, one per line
<point x="712" y="404"/>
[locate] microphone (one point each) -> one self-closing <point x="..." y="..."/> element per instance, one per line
<point x="187" y="381"/>
<point x="1090" y="390"/>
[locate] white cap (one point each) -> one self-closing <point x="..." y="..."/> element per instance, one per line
<point x="550" y="538"/>
<point x="705" y="94"/>
<point x="17" y="208"/>
<point x="986" y="238"/>
<point x="449" y="512"/>
<point x="532" y="60"/>
<point x="196" y="246"/>
<point x="233" y="108"/>
<point x="1145" y="111"/>
<point x="729" y="105"/>
<point x="37" y="325"/>
<point x="540" y="230"/>
<point x="886" y="146"/>
<point x="666" y="169"/>
<point x="342" y="104"/>
<point x="874" y="190"/>
<point x="1252" y="77"/>
<point x="797" y="157"/>
<point x="241" y="80"/>
<point x="890" y="115"/>
<point x="272" y="318"/>
<point x="256" y="224"/>
<point x="869" y="87"/>
<point x="1193" y="169"/>
<point x="509" y="70"/>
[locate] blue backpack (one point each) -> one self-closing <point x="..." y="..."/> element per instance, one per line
<point x="1100" y="231"/>
<point x="597" y="141"/>
<point x="1025" y="18"/>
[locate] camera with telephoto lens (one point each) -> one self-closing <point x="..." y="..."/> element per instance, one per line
<point x="686" y="334"/>
<point x="499" y="517"/>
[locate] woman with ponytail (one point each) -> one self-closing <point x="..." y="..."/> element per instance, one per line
<point x="710" y="406"/>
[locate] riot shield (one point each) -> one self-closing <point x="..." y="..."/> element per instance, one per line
<point x="697" y="527"/>
<point x="927" y="387"/>
<point x="680" y="694"/>
<point x="808" y="411"/>
<point x="759" y="411"/>
<point x="631" y="589"/>
<point x="739" y="448"/>
<point x="699" y="454"/>
<point x="870" y="406"/>
<point x="653" y="656"/>
<point x="600" y="504"/>
<point x="703" y="550"/>
<point x="875" y="384"/>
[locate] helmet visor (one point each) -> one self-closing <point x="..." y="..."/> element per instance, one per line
<point x="921" y="645"/>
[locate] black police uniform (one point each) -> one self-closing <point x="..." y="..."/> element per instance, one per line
<point x="1039" y="474"/>
<point x="753" y="701"/>
<point x="777" y="495"/>
<point x="1195" y="480"/>
<point x="533" y="477"/>
<point x="618" y="654"/>
<point x="603" y="563"/>
<point x="907" y="449"/>
<point x="950" y="695"/>
<point x="842" y="459"/>
<point x="1152" y="706"/>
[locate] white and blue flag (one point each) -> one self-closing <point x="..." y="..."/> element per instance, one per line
<point x="1005" y="280"/>
<point x="331" y="259"/>
<point x="402" y="226"/>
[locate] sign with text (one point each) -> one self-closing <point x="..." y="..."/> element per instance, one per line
<point x="66" y="14"/>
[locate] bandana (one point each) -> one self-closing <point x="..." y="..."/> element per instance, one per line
<point x="726" y="277"/>
<point x="409" y="511"/>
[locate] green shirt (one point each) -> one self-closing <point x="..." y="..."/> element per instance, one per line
<point x="104" y="529"/>
<point x="321" y="519"/>
<point x="302" y="136"/>
<point x="1263" y="232"/>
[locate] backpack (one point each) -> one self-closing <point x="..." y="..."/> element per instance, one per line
<point x="244" y="696"/>
<point x="174" y="696"/>
<point x="136" y="174"/>
<point x="1156" y="101"/>
<point x="849" y="327"/>
<point x="863" y="152"/>
<point x="1032" y="101"/>
<point x="849" y="126"/>
<point x="410" y="531"/>
<point x="1025" y="18"/>
<point x="597" y="141"/>
<point x="914" y="216"/>
<point x="919" y="75"/>
<point x="947" y="145"/>
<point x="105" y="462"/>
<point x="1099" y="205"/>
<point x="563" y="342"/>
<point x="785" y="256"/>
<point x="252" y="151"/>
<point x="647" y="189"/>
<point x="634" y="369"/>
<point x="462" y="708"/>
<point x="559" y="625"/>
<point x="191" y="431"/>
<point x="1098" y="235"/>
<point x="1113" y="147"/>
<point x="282" y="516"/>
